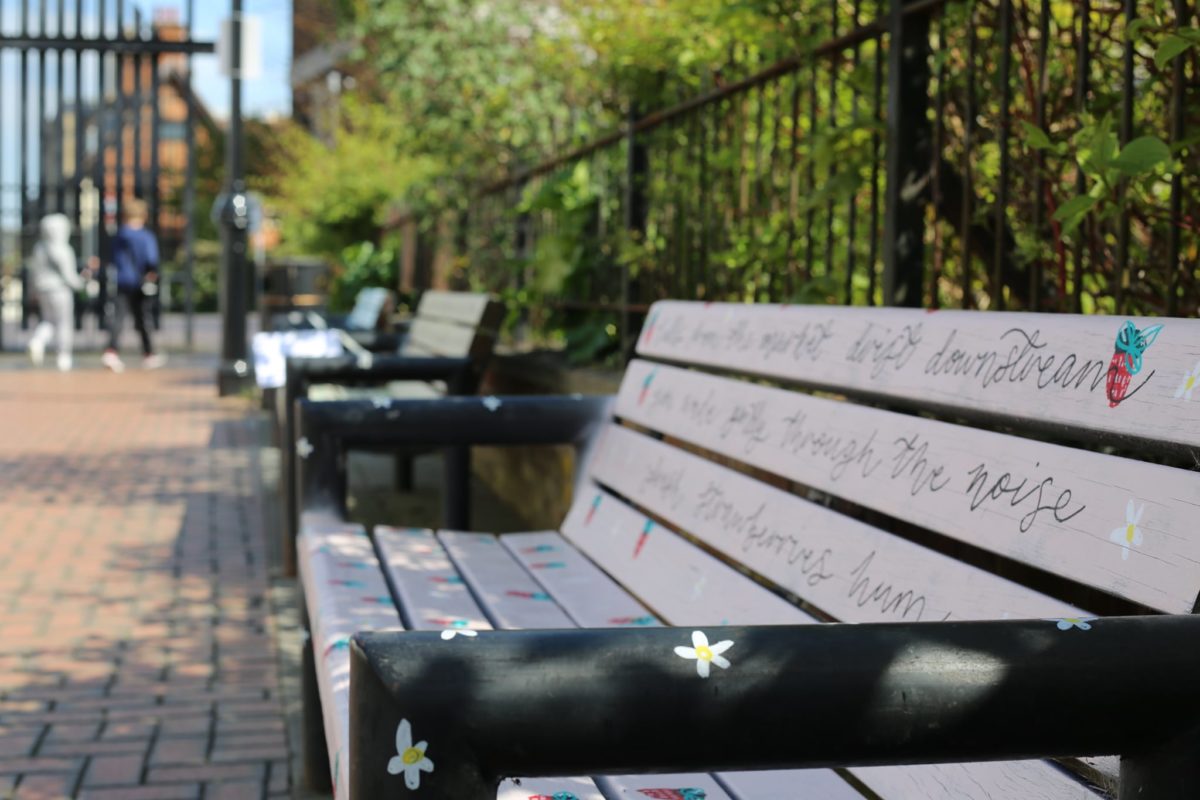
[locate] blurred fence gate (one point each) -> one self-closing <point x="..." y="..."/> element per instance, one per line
<point x="84" y="94"/>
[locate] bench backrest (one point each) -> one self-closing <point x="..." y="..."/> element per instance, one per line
<point x="369" y="306"/>
<point x="1072" y="494"/>
<point x="454" y="325"/>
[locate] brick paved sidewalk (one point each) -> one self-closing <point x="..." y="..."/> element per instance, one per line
<point x="136" y="658"/>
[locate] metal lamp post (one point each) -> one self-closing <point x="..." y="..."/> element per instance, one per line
<point x="234" y="373"/>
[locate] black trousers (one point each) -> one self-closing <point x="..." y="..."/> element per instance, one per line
<point x="130" y="301"/>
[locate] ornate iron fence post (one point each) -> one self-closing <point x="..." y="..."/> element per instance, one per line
<point x="636" y="169"/>
<point x="909" y="149"/>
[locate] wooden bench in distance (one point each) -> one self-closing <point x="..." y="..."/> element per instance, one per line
<point x="446" y="350"/>
<point x="996" y="550"/>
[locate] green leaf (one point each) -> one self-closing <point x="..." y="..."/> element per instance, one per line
<point x="1036" y="138"/>
<point x="1135" y="28"/>
<point x="1072" y="212"/>
<point x="1142" y="155"/>
<point x="1171" y="47"/>
<point x="1104" y="145"/>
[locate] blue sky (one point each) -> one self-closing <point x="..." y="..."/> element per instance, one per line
<point x="269" y="94"/>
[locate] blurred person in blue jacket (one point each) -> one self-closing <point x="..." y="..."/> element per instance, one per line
<point x="135" y="256"/>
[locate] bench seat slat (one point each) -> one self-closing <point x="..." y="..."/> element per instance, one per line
<point x="1002" y="493"/>
<point x="852" y="571"/>
<point x="432" y="594"/>
<point x="1000" y="777"/>
<point x="346" y="593"/>
<point x="790" y="784"/>
<point x="509" y="594"/>
<point x="1049" y="368"/>
<point x="641" y="787"/>
<point x="548" y="789"/>
<point x="594" y="528"/>
<point x="589" y="596"/>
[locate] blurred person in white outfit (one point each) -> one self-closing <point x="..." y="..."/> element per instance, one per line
<point x="53" y="275"/>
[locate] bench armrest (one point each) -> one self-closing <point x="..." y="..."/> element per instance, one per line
<point x="326" y="430"/>
<point x="382" y="368"/>
<point x="590" y="702"/>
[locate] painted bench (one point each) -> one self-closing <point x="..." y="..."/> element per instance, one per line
<point x="1004" y="504"/>
<point x="445" y="351"/>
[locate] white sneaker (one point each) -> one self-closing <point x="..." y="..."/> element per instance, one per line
<point x="37" y="351"/>
<point x="154" y="361"/>
<point x="112" y="361"/>
<point x="64" y="362"/>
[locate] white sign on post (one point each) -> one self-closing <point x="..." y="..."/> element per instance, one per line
<point x="251" y="50"/>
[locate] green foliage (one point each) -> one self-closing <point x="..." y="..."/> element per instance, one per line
<point x="458" y="94"/>
<point x="361" y="265"/>
<point x="330" y="198"/>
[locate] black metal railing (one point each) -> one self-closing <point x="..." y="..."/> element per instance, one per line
<point x="804" y="696"/>
<point x="982" y="164"/>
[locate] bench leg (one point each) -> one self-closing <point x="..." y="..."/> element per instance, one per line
<point x="316" y="751"/>
<point x="1172" y="772"/>
<point x="404" y="471"/>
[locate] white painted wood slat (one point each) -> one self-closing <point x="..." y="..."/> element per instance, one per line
<point x="346" y="593"/>
<point x="781" y="784"/>
<point x="443" y="338"/>
<point x="433" y="596"/>
<point x="589" y="596"/>
<point x="548" y="789"/>
<point x="461" y="307"/>
<point x="850" y="570"/>
<point x="662" y="787"/>
<point x="678" y="580"/>
<point x="1061" y="509"/>
<point x="1048" y="367"/>
<point x="509" y="594"/>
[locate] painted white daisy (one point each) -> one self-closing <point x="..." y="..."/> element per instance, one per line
<point x="1189" y="383"/>
<point x="304" y="447"/>
<point x="491" y="402"/>
<point x="450" y="633"/>
<point x="1129" y="535"/>
<point x="410" y="758"/>
<point x="704" y="653"/>
<point x="1066" y="623"/>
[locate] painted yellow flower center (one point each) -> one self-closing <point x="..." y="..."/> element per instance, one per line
<point x="1191" y="381"/>
<point x="1129" y="529"/>
<point x="703" y="653"/>
<point x="412" y="755"/>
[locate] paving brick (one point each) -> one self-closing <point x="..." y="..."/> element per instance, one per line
<point x="46" y="787"/>
<point x="174" y="791"/>
<point x="71" y="732"/>
<point x="171" y="752"/>
<point x="233" y="790"/>
<point x="112" y="770"/>
<point x="207" y="773"/>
